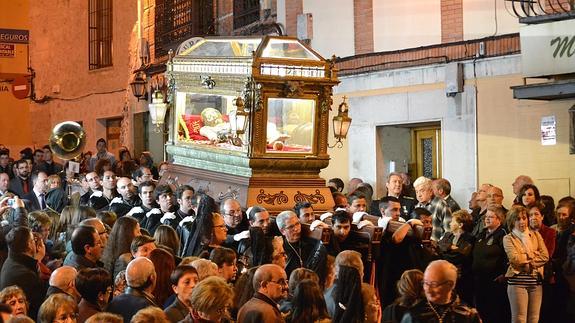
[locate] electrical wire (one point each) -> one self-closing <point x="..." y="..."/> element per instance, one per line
<point x="87" y="95"/>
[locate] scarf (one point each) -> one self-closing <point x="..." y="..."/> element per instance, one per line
<point x="525" y="238"/>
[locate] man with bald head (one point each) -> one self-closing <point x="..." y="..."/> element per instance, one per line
<point x="440" y="304"/>
<point x="128" y="198"/>
<point x="271" y="286"/>
<point x="63" y="280"/>
<point x="140" y="281"/>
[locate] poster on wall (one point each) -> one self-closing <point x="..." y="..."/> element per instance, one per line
<point x="548" y="131"/>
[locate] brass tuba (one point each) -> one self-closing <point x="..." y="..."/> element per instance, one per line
<point x="67" y="140"/>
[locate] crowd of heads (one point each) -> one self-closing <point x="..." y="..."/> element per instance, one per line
<point x="124" y="235"/>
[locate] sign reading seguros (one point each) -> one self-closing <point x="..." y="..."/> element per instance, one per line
<point x="548" y="48"/>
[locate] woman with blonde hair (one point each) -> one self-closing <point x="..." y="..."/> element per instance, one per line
<point x="58" y="308"/>
<point x="211" y="300"/>
<point x="527" y="255"/>
<point x="410" y="290"/>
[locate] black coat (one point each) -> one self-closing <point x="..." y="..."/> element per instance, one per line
<point x="17" y="187"/>
<point x="22" y="270"/>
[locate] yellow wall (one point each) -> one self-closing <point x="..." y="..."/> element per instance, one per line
<point x="509" y="140"/>
<point x="15" y="132"/>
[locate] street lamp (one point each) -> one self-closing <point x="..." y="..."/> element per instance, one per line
<point x="158" y="109"/>
<point x="341" y="123"/>
<point x="138" y="86"/>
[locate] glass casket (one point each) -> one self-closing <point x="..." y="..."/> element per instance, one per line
<point x="249" y="120"/>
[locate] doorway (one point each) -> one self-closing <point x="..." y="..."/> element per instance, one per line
<point x="113" y="131"/>
<point x="414" y="149"/>
<point x="426" y="152"/>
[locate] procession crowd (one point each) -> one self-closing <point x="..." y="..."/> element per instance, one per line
<point x="115" y="243"/>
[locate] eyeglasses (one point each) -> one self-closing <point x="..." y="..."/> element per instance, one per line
<point x="232" y="213"/>
<point x="292" y="227"/>
<point x="436" y="284"/>
<point x="281" y="282"/>
<point x="223" y="226"/>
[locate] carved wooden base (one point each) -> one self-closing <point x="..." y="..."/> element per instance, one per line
<point x="275" y="194"/>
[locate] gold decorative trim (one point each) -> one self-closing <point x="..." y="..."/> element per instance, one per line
<point x="312" y="198"/>
<point x="264" y="197"/>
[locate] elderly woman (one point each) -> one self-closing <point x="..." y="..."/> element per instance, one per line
<point x="14" y="296"/>
<point x="527" y="255"/>
<point x="489" y="267"/>
<point x="58" y="308"/>
<point x="211" y="300"/>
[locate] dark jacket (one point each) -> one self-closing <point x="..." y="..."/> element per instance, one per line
<point x="456" y="313"/>
<point x="177" y="311"/>
<point x="312" y="253"/>
<point x="87" y="309"/>
<point x="260" y="309"/>
<point x="31" y="201"/>
<point x="129" y="303"/>
<point x="17" y="186"/>
<point x="22" y="270"/>
<point x="121" y="207"/>
<point x="489" y="257"/>
<point x="80" y="262"/>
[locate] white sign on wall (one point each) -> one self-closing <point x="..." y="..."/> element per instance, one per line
<point x="548" y="131"/>
<point x="548" y="48"/>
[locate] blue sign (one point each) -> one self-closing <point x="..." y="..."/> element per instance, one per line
<point x="18" y="36"/>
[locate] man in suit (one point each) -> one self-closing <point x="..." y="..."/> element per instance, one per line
<point x="21" y="183"/>
<point x="442" y="188"/>
<point x="141" y="281"/>
<point x="394" y="187"/>
<point x="36" y="199"/>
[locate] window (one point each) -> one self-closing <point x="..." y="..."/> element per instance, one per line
<point x="246" y="12"/>
<point x="100" y="33"/>
<point x="178" y="20"/>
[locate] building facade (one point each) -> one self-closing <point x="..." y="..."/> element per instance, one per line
<point x="429" y="82"/>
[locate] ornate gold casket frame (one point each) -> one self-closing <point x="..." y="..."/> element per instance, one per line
<point x="284" y="90"/>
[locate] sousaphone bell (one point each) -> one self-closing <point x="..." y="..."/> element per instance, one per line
<point x="67" y="140"/>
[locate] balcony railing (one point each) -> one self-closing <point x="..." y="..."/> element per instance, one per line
<point x="534" y="8"/>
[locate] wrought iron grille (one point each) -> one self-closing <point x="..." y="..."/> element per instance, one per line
<point x="100" y="33"/>
<point x="532" y="8"/>
<point x="178" y="20"/>
<point x="246" y="12"/>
